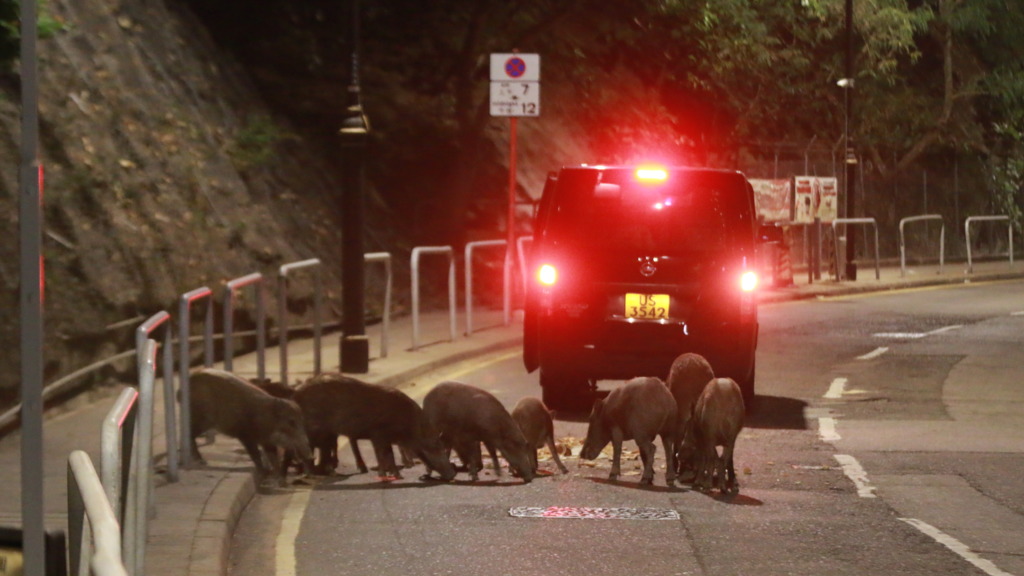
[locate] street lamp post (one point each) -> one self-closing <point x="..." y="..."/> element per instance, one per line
<point x="851" y="155"/>
<point x="355" y="132"/>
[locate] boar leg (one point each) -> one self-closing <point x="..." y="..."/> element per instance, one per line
<point x="274" y="462"/>
<point x="647" y="450"/>
<point x="670" y="459"/>
<point x="472" y="459"/>
<point x="360" y="463"/>
<point x="494" y="458"/>
<point x="732" y="485"/>
<point x="617" y="438"/>
<point x="386" y="466"/>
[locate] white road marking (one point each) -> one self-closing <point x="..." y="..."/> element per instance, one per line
<point x="856" y="473"/>
<point x="943" y="329"/>
<point x="874" y="353"/>
<point x="835" y="390"/>
<point x="827" y="429"/>
<point x="1020" y="313"/>
<point x="957" y="547"/>
<point x="913" y="335"/>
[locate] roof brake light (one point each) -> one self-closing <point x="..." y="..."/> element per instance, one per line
<point x="651" y="174"/>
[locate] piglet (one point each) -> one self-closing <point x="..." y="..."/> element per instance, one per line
<point x="639" y="410"/>
<point x="466" y="416"/>
<point x="222" y="401"/>
<point x="689" y="374"/>
<point x="534" y="420"/>
<point x="717" y="420"/>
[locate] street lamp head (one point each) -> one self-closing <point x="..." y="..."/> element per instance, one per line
<point x="356" y="123"/>
<point x="845" y="83"/>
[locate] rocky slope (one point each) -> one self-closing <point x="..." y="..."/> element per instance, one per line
<point x="164" y="172"/>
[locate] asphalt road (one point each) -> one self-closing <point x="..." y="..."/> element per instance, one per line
<point x="887" y="438"/>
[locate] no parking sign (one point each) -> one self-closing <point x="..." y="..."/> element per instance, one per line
<point x="515" y="84"/>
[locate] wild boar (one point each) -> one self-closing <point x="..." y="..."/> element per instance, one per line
<point x="640" y="410"/>
<point x="227" y="403"/>
<point x="687" y="378"/>
<point x="326" y="446"/>
<point x="534" y="420"/>
<point x="466" y="416"/>
<point x="334" y="404"/>
<point x="717" y="420"/>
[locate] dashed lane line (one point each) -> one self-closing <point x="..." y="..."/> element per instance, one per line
<point x="827" y="429"/>
<point x="958" y="547"/>
<point x="874" y="353"/>
<point x="835" y="390"/>
<point x="855" y="472"/>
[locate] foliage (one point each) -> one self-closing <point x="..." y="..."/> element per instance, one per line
<point x="254" y="144"/>
<point x="10" y="33"/>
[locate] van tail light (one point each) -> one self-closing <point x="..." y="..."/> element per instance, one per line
<point x="547" y="275"/>
<point x="748" y="293"/>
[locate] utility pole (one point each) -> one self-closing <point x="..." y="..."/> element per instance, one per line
<point x="355" y="133"/>
<point x="851" y="155"/>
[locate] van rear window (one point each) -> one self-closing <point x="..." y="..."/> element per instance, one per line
<point x="611" y="210"/>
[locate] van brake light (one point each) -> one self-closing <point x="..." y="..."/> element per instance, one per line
<point x="547" y="275"/>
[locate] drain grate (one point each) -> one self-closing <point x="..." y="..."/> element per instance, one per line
<point x="594" y="513"/>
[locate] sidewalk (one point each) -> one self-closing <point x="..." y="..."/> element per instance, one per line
<point x="196" y="516"/>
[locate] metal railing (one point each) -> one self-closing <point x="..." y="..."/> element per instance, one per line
<point x="835" y="239"/>
<point x="142" y="333"/>
<point x="117" y="448"/>
<point x="416" y="253"/>
<point x="140" y="489"/>
<point x="184" y="361"/>
<point x="282" y="313"/>
<point x="967" y="235"/>
<point x="231" y="289"/>
<point x="903" y="245"/>
<point x="94" y="545"/>
<point x="385" y="336"/>
<point x="470" y="248"/>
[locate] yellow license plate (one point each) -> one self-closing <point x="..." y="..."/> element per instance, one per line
<point x="647" y="306"/>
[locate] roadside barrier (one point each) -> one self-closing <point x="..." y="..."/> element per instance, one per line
<point x="95" y="539"/>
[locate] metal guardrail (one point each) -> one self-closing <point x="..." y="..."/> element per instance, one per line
<point x="184" y="361"/>
<point x="94" y="535"/>
<point x="470" y="248"/>
<point x="142" y="333"/>
<point x="140" y="489"/>
<point x="416" y="253"/>
<point x="903" y="245"/>
<point x="282" y="313"/>
<point x="385" y="336"/>
<point x="117" y="447"/>
<point x="967" y="235"/>
<point x="231" y="289"/>
<point x="835" y="239"/>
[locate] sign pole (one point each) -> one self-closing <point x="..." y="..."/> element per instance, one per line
<point x="32" y="283"/>
<point x="510" y="247"/>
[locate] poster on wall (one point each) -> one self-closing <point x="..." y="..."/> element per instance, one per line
<point x="815" y="197"/>
<point x="774" y="200"/>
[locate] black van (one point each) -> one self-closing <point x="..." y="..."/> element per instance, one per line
<point x="632" y="266"/>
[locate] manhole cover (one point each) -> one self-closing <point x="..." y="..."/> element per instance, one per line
<point x="594" y="513"/>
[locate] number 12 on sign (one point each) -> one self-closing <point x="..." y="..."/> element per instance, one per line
<point x="515" y="98"/>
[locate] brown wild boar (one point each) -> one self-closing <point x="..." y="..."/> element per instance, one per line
<point x="534" y="420"/>
<point x="687" y="378"/>
<point x="640" y="410"/>
<point x="466" y="416"/>
<point x="717" y="420"/>
<point x="337" y="405"/>
<point x="229" y="404"/>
